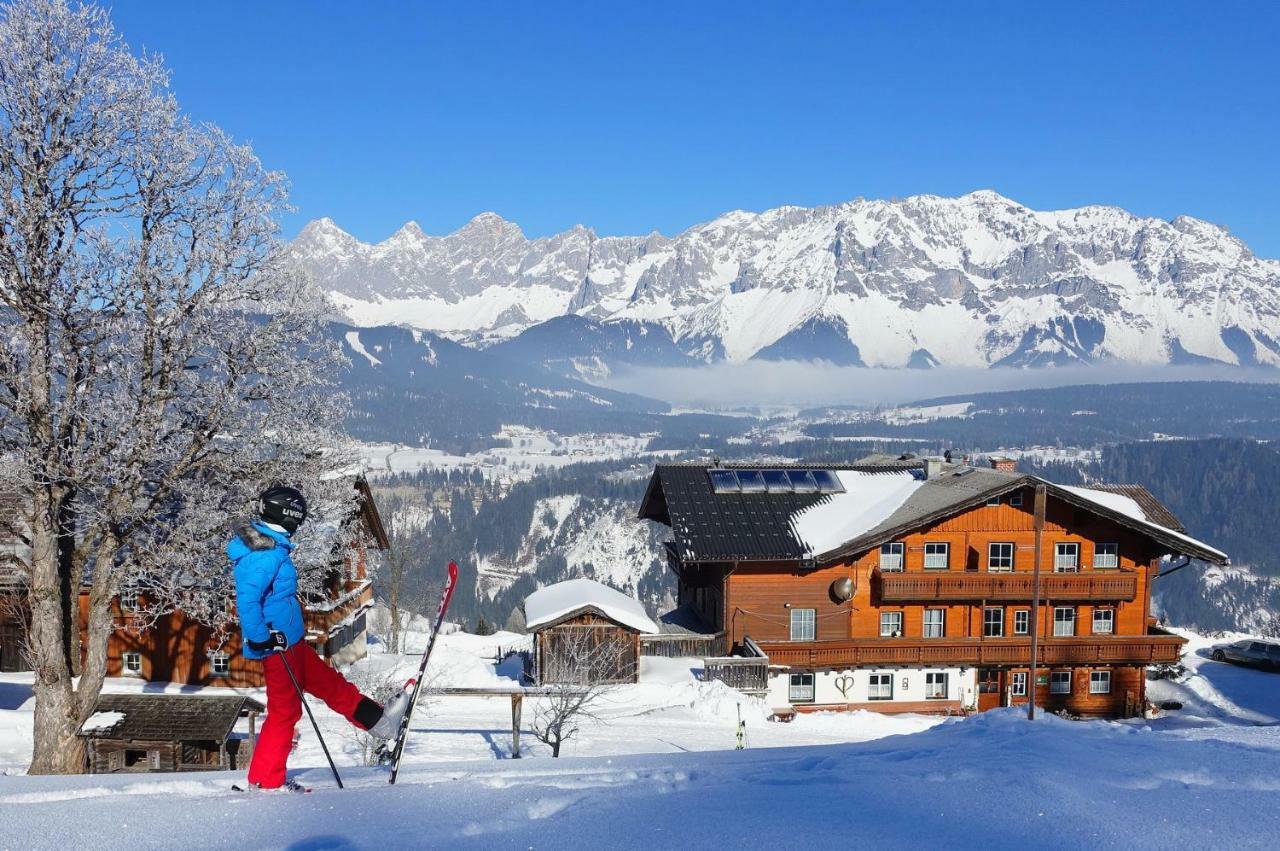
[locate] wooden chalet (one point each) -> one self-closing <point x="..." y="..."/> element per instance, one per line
<point x="179" y="649"/>
<point x="907" y="585"/>
<point x="167" y="732"/>
<point x="585" y="633"/>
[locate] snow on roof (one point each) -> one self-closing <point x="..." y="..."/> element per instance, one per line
<point x="549" y="604"/>
<point x="101" y="721"/>
<point x="868" y="500"/>
<point x="1129" y="507"/>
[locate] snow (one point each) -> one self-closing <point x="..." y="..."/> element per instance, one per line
<point x="868" y="500"/>
<point x="549" y="604"/>
<point x="658" y="770"/>
<point x="353" y="340"/>
<point x="101" y="721"/>
<point x="1128" y="507"/>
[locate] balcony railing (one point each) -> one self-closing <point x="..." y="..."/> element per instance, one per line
<point x="848" y="653"/>
<point x="1063" y="587"/>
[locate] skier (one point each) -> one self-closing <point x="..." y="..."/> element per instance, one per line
<point x="272" y="630"/>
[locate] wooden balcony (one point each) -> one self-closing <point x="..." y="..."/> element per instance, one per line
<point x="1004" y="587"/>
<point x="1066" y="652"/>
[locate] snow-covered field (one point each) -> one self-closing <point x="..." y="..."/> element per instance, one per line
<point x="659" y="771"/>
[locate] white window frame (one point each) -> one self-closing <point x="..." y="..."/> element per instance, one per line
<point x="222" y="660"/>
<point x="877" y="684"/>
<point x="1057" y="630"/>
<point x="1018" y="683"/>
<point x="1066" y="557"/>
<point x="1015" y="499"/>
<point x="939" y="618"/>
<point x="129" y="600"/>
<point x="1097" y="679"/>
<point x="811" y="622"/>
<point x="993" y="501"/>
<point x="1109" y="620"/>
<point x="1023" y="615"/>
<point x="987" y="621"/>
<point x="131" y="670"/>
<point x="797" y="693"/>
<point x="1108" y="559"/>
<point x="932" y="680"/>
<point x="992" y="557"/>
<point x="1055" y="678"/>
<point x="945" y="555"/>
<point x="893" y="556"/>
<point x="893" y="632"/>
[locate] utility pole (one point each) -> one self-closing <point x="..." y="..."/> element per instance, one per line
<point x="1040" y="498"/>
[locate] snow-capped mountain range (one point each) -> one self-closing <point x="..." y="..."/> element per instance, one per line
<point x="978" y="280"/>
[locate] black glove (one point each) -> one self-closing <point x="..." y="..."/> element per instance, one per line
<point x="275" y="643"/>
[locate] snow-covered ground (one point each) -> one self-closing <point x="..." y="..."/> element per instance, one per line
<point x="659" y="771"/>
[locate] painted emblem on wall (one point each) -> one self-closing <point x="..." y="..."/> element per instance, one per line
<point x="843" y="684"/>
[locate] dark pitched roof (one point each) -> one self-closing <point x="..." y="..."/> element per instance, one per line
<point x="171" y="717"/>
<point x="733" y="526"/>
<point x="1156" y="511"/>
<point x="683" y="620"/>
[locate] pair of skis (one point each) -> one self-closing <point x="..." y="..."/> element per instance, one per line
<point x="394" y="749"/>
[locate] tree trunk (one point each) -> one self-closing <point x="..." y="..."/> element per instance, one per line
<point x="55" y="748"/>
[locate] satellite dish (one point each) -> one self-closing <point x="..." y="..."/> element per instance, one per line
<point x="842" y="589"/>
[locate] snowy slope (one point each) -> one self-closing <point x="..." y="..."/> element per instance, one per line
<point x="978" y="280"/>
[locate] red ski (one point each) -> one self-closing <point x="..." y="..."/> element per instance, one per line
<point x="416" y="683"/>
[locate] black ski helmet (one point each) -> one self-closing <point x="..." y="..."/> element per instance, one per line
<point x="283" y="506"/>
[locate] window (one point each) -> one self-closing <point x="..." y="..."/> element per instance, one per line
<point x="890" y="624"/>
<point x="802" y="624"/>
<point x="776" y="481"/>
<point x="936" y="556"/>
<point x="800" y="689"/>
<point x="751" y="481"/>
<point x="132" y="663"/>
<point x="1015" y="499"/>
<point x="828" y="482"/>
<point x="1106" y="556"/>
<point x="988" y="681"/>
<point x="802" y="481"/>
<point x="935" y="686"/>
<point x="1060" y="682"/>
<point x="993" y="622"/>
<point x="891" y="557"/>
<point x="1018" y="684"/>
<point x="993" y="500"/>
<point x="1099" y="682"/>
<point x="1066" y="558"/>
<point x="934" y="623"/>
<point x="881" y="687"/>
<point x="1000" y="557"/>
<point x="129" y="600"/>
<point x="1064" y="620"/>
<point x="723" y="481"/>
<point x="1022" y="622"/>
<point x="220" y="664"/>
<point x="1104" y="621"/>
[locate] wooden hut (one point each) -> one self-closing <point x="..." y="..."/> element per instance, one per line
<point x="167" y="732"/>
<point x="585" y="633"/>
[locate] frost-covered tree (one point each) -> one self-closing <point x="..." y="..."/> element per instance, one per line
<point x="157" y="366"/>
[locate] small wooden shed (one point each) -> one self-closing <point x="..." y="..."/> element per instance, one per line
<point x="585" y="633"/>
<point x="169" y="732"/>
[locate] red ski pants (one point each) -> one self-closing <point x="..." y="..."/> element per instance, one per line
<point x="284" y="707"/>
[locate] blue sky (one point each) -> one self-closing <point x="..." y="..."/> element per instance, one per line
<point x="660" y="115"/>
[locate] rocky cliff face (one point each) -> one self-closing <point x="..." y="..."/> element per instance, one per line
<point x="978" y="280"/>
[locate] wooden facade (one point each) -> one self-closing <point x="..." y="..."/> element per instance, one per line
<point x="169" y="733"/>
<point x="586" y="648"/>
<point x="849" y="632"/>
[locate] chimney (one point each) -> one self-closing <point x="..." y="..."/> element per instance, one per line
<point x="932" y="467"/>
<point x="1004" y="465"/>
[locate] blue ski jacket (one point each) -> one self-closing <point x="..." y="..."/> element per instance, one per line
<point x="266" y="585"/>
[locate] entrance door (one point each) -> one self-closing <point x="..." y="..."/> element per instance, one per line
<point x="990" y="688"/>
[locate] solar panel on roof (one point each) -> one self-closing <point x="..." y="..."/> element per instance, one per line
<point x="776" y="481"/>
<point x="828" y="482"/>
<point x="723" y="481"/>
<point x="802" y="481"/>
<point x="751" y="481"/>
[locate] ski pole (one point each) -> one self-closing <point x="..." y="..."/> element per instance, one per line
<point x="314" y="725"/>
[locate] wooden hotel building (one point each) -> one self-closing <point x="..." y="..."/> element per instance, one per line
<point x="907" y="585"/>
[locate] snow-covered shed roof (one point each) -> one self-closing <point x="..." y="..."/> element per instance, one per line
<point x="555" y="603"/>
